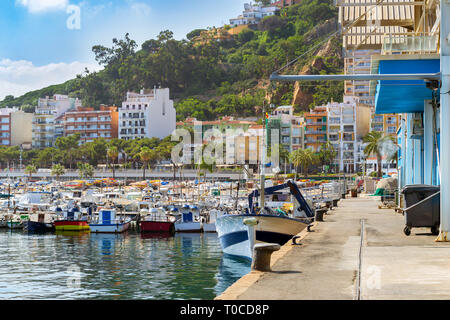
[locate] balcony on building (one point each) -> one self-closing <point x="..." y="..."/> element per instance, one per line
<point x="333" y="137"/>
<point x="378" y="119"/>
<point x="407" y="44"/>
<point x="348" y="137"/>
<point x="309" y="131"/>
<point x="349" y="128"/>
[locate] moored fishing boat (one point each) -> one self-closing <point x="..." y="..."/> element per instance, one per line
<point x="158" y="221"/>
<point x="238" y="233"/>
<point x="40" y="222"/>
<point x="209" y="225"/>
<point x="190" y="220"/>
<point x="15" y="222"/>
<point x="107" y="222"/>
<point x="71" y="221"/>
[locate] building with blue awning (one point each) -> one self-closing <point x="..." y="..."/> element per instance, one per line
<point x="419" y="134"/>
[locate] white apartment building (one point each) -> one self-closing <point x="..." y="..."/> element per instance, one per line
<point x="48" y="119"/>
<point x="253" y="13"/>
<point x="348" y="123"/>
<point x="148" y="114"/>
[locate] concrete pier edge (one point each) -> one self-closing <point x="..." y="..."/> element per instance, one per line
<point x="240" y="286"/>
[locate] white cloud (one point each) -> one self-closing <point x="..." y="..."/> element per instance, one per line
<point x="19" y="77"/>
<point x="140" y="8"/>
<point x="35" y="6"/>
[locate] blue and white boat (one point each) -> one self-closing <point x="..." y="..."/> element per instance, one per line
<point x="238" y="233"/>
<point x="190" y="220"/>
<point x="107" y="222"/>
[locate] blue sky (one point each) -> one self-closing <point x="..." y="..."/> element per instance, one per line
<point x="35" y="39"/>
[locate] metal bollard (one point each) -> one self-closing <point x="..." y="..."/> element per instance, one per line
<point x="319" y="214"/>
<point x="262" y="253"/>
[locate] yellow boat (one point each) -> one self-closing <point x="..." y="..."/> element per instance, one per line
<point x="71" y="225"/>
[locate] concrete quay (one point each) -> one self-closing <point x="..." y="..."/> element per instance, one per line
<point x="359" y="252"/>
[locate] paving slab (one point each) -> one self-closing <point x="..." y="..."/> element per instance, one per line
<point x="339" y="262"/>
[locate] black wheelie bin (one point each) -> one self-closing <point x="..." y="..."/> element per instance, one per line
<point x="422" y="207"/>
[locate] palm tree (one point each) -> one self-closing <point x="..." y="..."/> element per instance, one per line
<point x="85" y="170"/>
<point x="375" y="141"/>
<point x="88" y="170"/>
<point x="303" y="158"/>
<point x="58" y="170"/>
<point x="113" y="154"/>
<point x="146" y="155"/>
<point x="327" y="154"/>
<point x="30" y="169"/>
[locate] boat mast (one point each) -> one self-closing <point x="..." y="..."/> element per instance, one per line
<point x="263" y="160"/>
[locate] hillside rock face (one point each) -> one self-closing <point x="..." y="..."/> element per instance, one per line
<point x="303" y="97"/>
<point x="327" y="27"/>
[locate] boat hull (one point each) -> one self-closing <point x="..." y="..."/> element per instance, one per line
<point x="233" y="233"/>
<point x="209" y="227"/>
<point x="109" y="228"/>
<point x="157" y="226"/>
<point x="66" y="225"/>
<point x="14" y="225"/>
<point x="33" y="226"/>
<point x="189" y="227"/>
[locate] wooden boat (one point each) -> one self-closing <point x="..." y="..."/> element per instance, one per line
<point x="190" y="220"/>
<point x="107" y="222"/>
<point x="238" y="233"/>
<point x="71" y="221"/>
<point x="40" y="222"/>
<point x="158" y="221"/>
<point x="15" y="221"/>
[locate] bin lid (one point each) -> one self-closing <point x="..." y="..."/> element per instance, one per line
<point x="420" y="188"/>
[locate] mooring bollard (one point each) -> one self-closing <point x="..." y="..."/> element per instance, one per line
<point x="335" y="202"/>
<point x="262" y="253"/>
<point x="319" y="214"/>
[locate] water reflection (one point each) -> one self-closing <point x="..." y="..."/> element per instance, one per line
<point x="231" y="269"/>
<point x="115" y="266"/>
<point x="156" y="235"/>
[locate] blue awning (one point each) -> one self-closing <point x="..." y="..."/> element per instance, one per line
<point x="401" y="96"/>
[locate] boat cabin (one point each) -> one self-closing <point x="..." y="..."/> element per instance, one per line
<point x="106" y="216"/>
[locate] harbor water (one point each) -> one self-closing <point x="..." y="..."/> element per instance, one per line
<point x="115" y="266"/>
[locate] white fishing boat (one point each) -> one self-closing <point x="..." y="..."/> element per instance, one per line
<point x="209" y="225"/>
<point x="15" y="222"/>
<point x="238" y="233"/>
<point x="107" y="222"/>
<point x="3" y="223"/>
<point x="190" y="220"/>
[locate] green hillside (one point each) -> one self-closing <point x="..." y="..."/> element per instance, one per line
<point x="213" y="78"/>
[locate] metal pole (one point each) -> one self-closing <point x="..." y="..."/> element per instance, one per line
<point x="445" y="120"/>
<point x="428" y="143"/>
<point x="263" y="162"/>
<point x="358" y="77"/>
